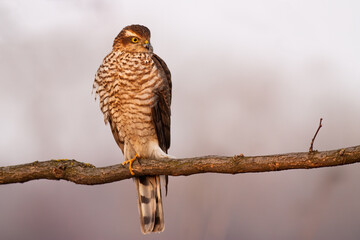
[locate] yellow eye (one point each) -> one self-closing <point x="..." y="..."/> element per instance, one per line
<point x="135" y="40"/>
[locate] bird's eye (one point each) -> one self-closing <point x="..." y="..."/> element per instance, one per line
<point x="135" y="40"/>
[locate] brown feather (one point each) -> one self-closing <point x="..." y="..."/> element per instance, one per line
<point x="161" y="112"/>
<point x="115" y="133"/>
<point x="134" y="86"/>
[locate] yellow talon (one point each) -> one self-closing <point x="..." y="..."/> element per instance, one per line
<point x="130" y="161"/>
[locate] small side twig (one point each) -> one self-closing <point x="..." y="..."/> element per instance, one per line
<point x="312" y="141"/>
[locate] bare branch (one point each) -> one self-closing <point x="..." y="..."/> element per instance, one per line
<point x="312" y="141"/>
<point x="82" y="173"/>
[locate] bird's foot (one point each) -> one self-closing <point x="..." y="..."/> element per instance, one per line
<point x="130" y="161"/>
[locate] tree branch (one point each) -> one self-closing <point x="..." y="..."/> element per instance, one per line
<point x="84" y="173"/>
<point x="313" y="139"/>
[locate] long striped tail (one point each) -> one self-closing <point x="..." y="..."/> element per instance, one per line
<point x="150" y="204"/>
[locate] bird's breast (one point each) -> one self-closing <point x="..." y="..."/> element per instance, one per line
<point x="134" y="88"/>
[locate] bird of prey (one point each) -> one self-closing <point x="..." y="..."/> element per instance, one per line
<point x="134" y="87"/>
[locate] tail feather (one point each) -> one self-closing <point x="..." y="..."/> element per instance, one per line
<point x="150" y="204"/>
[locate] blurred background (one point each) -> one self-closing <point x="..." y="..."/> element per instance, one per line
<point x="251" y="77"/>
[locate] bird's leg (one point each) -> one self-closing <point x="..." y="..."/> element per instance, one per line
<point x="130" y="161"/>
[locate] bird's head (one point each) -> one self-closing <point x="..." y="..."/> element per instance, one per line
<point x="133" y="38"/>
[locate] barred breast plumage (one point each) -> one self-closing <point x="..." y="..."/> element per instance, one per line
<point x="128" y="95"/>
<point x="134" y="87"/>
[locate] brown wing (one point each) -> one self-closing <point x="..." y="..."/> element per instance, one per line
<point x="161" y="110"/>
<point x="116" y="134"/>
<point x="104" y="79"/>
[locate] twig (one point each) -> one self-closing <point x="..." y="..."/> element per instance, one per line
<point x="312" y="141"/>
<point x="82" y="173"/>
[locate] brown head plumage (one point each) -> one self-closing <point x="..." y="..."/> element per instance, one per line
<point x="133" y="38"/>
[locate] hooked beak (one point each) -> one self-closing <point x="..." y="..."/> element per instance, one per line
<point x="147" y="45"/>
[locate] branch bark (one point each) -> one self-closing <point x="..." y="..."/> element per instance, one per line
<point x="84" y="173"/>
